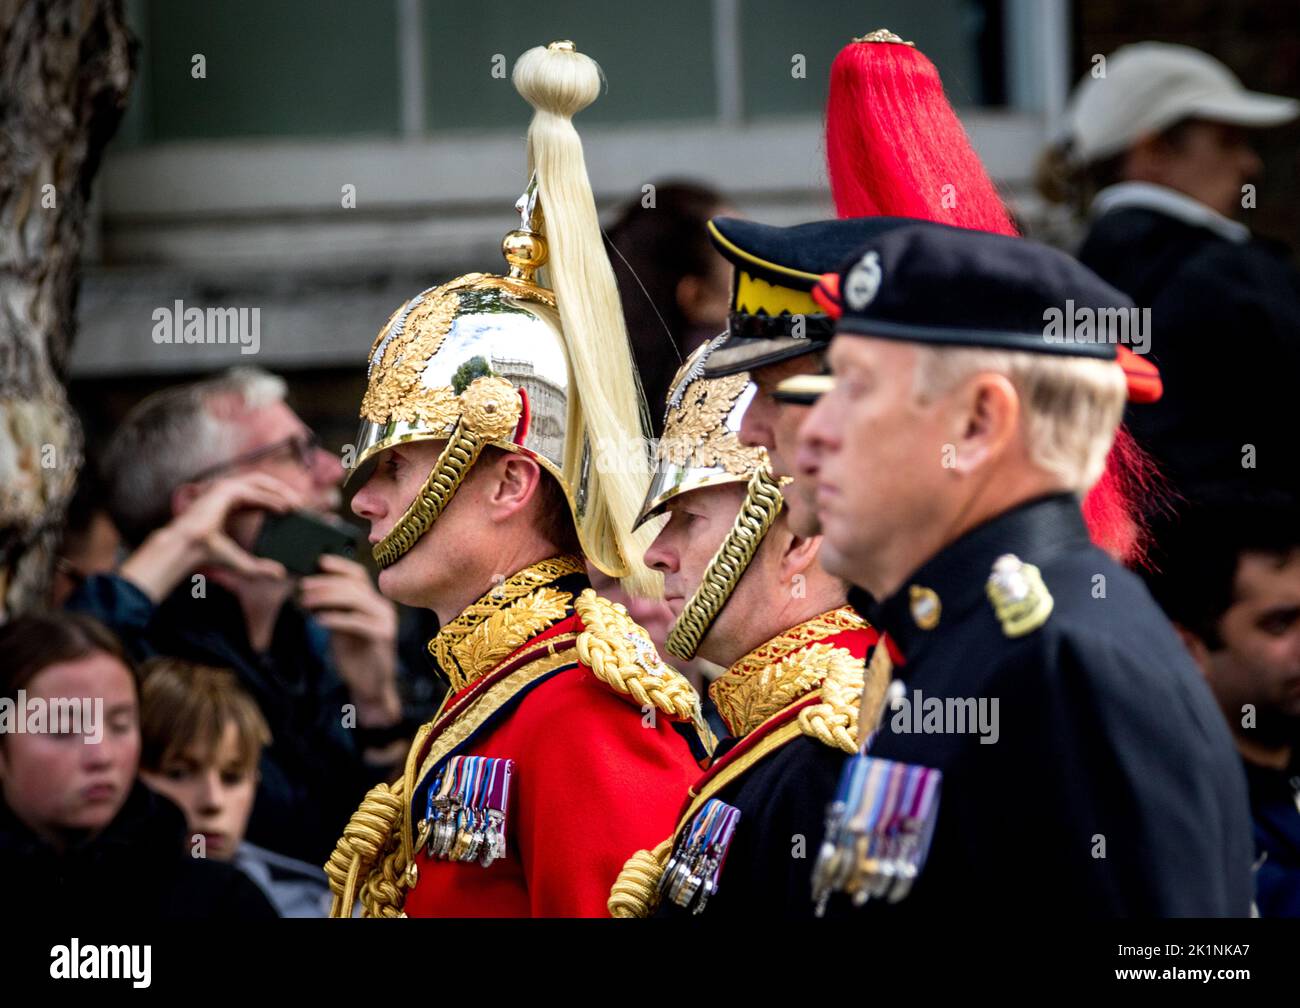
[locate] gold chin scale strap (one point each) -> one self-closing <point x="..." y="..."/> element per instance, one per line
<point x="763" y="503"/>
<point x="449" y="471"/>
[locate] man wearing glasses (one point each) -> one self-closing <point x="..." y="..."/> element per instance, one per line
<point x="191" y="475"/>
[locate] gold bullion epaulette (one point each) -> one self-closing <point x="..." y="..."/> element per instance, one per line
<point x="834" y="720"/>
<point x="1019" y="596"/>
<point x="620" y="654"/>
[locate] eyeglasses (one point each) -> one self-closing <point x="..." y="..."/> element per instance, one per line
<point x="303" y="446"/>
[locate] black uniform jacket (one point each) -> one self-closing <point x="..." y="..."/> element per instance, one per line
<point x="782" y="802"/>
<point x="1113" y="787"/>
<point x="1275" y="805"/>
<point x="1225" y="333"/>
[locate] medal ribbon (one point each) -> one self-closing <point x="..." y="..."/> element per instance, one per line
<point x="878" y="830"/>
<point x="691" y="875"/>
<point x="465" y="816"/>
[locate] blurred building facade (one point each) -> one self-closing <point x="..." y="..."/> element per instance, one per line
<point x="322" y="160"/>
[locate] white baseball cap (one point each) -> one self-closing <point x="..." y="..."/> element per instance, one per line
<point x="1149" y="86"/>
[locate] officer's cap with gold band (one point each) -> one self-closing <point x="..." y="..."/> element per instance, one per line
<point x="535" y="361"/>
<point x="700" y="448"/>
<point x="773" y="316"/>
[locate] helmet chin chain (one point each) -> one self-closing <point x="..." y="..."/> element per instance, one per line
<point x="449" y="471"/>
<point x="763" y="502"/>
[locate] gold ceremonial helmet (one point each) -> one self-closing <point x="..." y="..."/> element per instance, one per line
<point x="701" y="448"/>
<point x="532" y="363"/>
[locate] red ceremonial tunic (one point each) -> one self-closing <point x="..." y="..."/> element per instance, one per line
<point x="592" y="780"/>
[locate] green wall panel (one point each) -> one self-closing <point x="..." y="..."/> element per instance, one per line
<point x="774" y="31"/>
<point x="274" y="68"/>
<point x="657" y="58"/>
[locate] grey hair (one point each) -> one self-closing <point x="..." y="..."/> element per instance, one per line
<point x="1072" y="406"/>
<point x="169" y="437"/>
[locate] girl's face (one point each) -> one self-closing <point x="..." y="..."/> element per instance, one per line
<point x="215" y="792"/>
<point x="66" y="785"/>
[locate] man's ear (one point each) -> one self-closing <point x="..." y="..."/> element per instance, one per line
<point x="688" y="294"/>
<point x="514" y="481"/>
<point x="985" y="421"/>
<point x="799" y="555"/>
<point x="1196" y="647"/>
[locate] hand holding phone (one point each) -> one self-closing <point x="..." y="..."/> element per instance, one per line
<point x="298" y="539"/>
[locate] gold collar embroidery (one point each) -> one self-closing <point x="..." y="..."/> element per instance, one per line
<point x="773" y="676"/>
<point x="508" y="616"/>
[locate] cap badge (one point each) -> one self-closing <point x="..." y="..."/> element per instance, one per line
<point x="883" y="35"/>
<point x="1019" y="596"/>
<point x="863" y="281"/>
<point x="926" y="607"/>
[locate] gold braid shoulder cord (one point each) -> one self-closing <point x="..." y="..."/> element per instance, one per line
<point x="374" y="832"/>
<point x="620" y="654"/>
<point x="763" y="502"/>
<point x="846" y="691"/>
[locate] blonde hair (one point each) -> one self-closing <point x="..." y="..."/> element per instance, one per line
<point x="183" y="704"/>
<point x="608" y="412"/>
<point x="1071" y="406"/>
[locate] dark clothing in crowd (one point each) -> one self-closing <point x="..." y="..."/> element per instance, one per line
<point x="312" y="774"/>
<point x="1275" y="806"/>
<point x="1112" y="787"/>
<point x="421" y="684"/>
<point x="1225" y="334"/>
<point x="653" y="246"/>
<point x="137" y="869"/>
<point x="295" y="888"/>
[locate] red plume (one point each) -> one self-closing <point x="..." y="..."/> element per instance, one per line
<point x="1117" y="507"/>
<point x="894" y="147"/>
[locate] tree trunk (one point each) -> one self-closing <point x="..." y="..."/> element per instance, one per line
<point x="65" y="68"/>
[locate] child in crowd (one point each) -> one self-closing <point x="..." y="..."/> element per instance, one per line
<point x="203" y="736"/>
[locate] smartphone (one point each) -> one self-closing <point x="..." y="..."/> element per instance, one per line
<point x="298" y="538"/>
